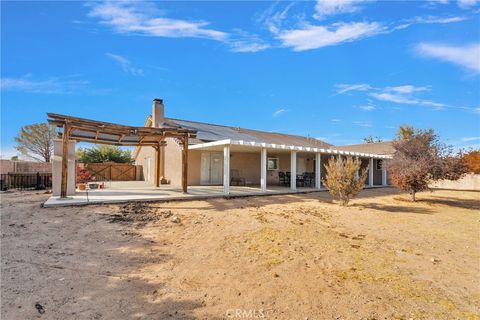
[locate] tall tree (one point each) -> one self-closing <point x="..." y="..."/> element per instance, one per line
<point x="405" y="132"/>
<point x="419" y="159"/>
<point x="105" y="153"/>
<point x="35" y="141"/>
<point x="344" y="179"/>
<point x="372" y="139"/>
<point x="472" y="161"/>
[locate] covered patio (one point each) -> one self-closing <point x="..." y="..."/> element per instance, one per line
<point x="284" y="167"/>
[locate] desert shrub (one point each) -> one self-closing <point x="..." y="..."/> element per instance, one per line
<point x="83" y="175"/>
<point x="344" y="178"/>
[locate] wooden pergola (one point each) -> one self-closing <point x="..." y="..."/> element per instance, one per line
<point x="100" y="132"/>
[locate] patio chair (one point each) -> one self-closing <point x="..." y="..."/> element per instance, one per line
<point x="282" y="178"/>
<point x="236" y="178"/>
<point x="287" y="178"/>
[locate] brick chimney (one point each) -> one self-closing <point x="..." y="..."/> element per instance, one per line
<point x="157" y="112"/>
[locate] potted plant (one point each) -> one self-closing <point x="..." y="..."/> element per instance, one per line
<point x="83" y="177"/>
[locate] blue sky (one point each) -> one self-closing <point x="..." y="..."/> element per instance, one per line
<point x="336" y="70"/>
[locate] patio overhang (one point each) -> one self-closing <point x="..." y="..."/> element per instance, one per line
<point x="240" y="145"/>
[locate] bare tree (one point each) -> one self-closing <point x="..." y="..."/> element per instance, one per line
<point x="420" y="159"/>
<point x="344" y="178"/>
<point x="35" y="141"/>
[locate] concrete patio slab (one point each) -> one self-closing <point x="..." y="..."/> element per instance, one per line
<point x="127" y="191"/>
<point x="131" y="191"/>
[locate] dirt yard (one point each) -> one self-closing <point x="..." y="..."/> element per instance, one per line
<point x="277" y="257"/>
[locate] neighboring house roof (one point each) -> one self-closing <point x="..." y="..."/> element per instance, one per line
<point x="207" y="132"/>
<point x="384" y="148"/>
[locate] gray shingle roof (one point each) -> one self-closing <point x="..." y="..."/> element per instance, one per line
<point x="211" y="132"/>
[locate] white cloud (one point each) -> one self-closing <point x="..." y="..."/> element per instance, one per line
<point x="367" y="107"/>
<point x="335" y="120"/>
<point x="406" y="89"/>
<point x="476" y="110"/>
<point x="467" y="56"/>
<point x="125" y="64"/>
<point x="405" y="94"/>
<point x="52" y="85"/>
<point x="242" y="41"/>
<point x="344" y="88"/>
<point x="362" y="124"/>
<point x="246" y="46"/>
<point x="468" y="139"/>
<point x="325" y="8"/>
<point x="465" y="4"/>
<point x="313" y="37"/>
<point x="144" y="19"/>
<point x="279" y="112"/>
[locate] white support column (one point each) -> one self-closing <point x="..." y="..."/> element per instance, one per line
<point x="293" y="170"/>
<point x="263" y="170"/>
<point x="384" y="174"/>
<point x="318" y="172"/>
<point x="226" y="170"/>
<point x="370" y="173"/>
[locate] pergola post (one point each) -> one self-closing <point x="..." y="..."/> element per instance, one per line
<point x="63" y="185"/>
<point x="263" y="170"/>
<point x="226" y="169"/>
<point x="370" y="172"/>
<point x="185" y="164"/>
<point x="318" y="172"/>
<point x="293" y="170"/>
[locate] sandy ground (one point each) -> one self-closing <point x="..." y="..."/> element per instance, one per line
<point x="277" y="257"/>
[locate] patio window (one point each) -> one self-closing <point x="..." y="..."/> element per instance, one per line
<point x="272" y="164"/>
<point x="379" y="164"/>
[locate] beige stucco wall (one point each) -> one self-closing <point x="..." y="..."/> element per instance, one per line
<point x="173" y="162"/>
<point x="193" y="167"/>
<point x="468" y="182"/>
<point x="248" y="165"/>
<point x="141" y="159"/>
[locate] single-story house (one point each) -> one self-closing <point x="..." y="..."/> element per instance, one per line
<point x="225" y="155"/>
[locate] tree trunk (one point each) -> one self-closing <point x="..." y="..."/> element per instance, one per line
<point x="413" y="196"/>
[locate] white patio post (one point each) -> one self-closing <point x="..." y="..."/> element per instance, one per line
<point x="263" y="170"/>
<point x="226" y="169"/>
<point x="370" y="173"/>
<point x="293" y="170"/>
<point x="318" y="173"/>
<point x="384" y="174"/>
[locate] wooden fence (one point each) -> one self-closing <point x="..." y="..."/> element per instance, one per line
<point x="25" y="181"/>
<point x="112" y="171"/>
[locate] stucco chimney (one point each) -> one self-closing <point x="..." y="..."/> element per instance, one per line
<point x="157" y="112"/>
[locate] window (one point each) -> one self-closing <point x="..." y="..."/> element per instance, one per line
<point x="379" y="164"/>
<point x="272" y="164"/>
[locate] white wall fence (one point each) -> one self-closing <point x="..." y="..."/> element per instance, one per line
<point x="468" y="182"/>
